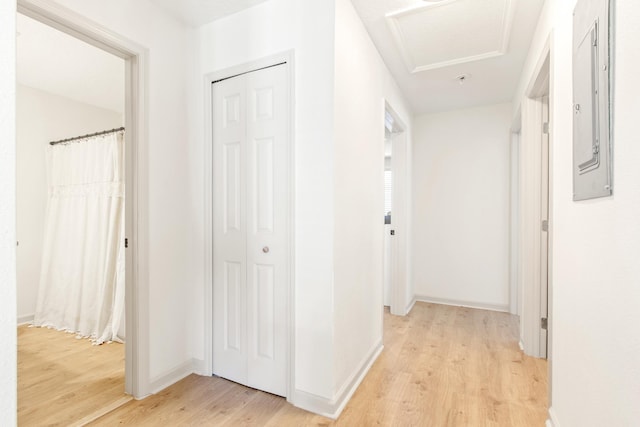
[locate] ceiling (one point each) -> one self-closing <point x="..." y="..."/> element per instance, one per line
<point x="198" y="12"/>
<point x="427" y="46"/>
<point x="55" y="62"/>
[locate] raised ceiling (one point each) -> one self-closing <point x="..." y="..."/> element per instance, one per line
<point x="428" y="45"/>
<point x="198" y="12"/>
<point x="486" y="26"/>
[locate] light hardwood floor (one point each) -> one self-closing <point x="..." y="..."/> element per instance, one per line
<point x="62" y="379"/>
<point x="441" y="366"/>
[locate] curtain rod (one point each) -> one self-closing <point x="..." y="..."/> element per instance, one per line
<point x="86" y="136"/>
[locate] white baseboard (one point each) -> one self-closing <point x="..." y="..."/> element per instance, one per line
<point x="332" y="408"/>
<point x="27" y="319"/>
<point x="199" y="368"/>
<point x="351" y="384"/>
<point x="469" y="304"/>
<point x="553" y="419"/>
<point x="171" y="377"/>
<point x="410" y="306"/>
<point x="521" y="345"/>
<point x="313" y="403"/>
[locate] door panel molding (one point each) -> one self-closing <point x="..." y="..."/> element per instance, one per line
<point x="264" y="108"/>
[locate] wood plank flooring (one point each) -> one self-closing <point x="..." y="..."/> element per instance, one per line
<point x="441" y="366"/>
<point x="62" y="379"/>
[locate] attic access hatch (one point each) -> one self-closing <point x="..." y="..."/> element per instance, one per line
<point x="429" y="35"/>
<point x="592" y="103"/>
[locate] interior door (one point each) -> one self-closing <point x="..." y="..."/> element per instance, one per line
<point x="399" y="233"/>
<point x="251" y="222"/>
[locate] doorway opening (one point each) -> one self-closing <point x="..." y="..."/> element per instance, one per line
<point x="388" y="207"/>
<point x="397" y="294"/>
<point x="70" y="224"/>
<point x="134" y="59"/>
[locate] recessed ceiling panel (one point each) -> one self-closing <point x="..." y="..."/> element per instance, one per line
<point x="436" y="35"/>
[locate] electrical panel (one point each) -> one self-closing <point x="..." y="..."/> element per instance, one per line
<point x="592" y="100"/>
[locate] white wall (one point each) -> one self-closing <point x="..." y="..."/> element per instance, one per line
<point x="362" y="83"/>
<point x="174" y="256"/>
<point x="461" y="171"/>
<point x="42" y="117"/>
<point x="308" y="28"/>
<point x="8" y="383"/>
<point x="339" y="153"/>
<point x="595" y="271"/>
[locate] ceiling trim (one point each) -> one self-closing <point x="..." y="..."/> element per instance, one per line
<point x="392" y="20"/>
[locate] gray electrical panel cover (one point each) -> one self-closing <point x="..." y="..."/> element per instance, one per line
<point x="592" y="106"/>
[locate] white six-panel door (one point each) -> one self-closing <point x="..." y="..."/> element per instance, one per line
<point x="250" y="227"/>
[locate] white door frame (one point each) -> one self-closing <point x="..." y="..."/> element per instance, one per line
<point x="136" y="201"/>
<point x="530" y="240"/>
<point x="400" y="304"/>
<point x="286" y="58"/>
<point x="514" y="213"/>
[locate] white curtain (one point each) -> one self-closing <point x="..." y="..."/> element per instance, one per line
<point x="82" y="279"/>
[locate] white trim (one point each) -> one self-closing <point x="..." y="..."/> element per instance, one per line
<point x="200" y="368"/>
<point x="334" y="407"/>
<point x="469" y="304"/>
<point x="351" y="384"/>
<point x="465" y="60"/>
<point x="313" y="403"/>
<point x="172" y="376"/>
<point x="206" y="365"/>
<point x="514" y="226"/>
<point x="25" y="320"/>
<point x="552" y="421"/>
<point x="136" y="122"/>
<point x="410" y="306"/>
<point x="530" y="239"/>
<point x="537" y="79"/>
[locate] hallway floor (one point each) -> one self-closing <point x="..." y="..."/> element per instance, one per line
<point x="441" y="366"/>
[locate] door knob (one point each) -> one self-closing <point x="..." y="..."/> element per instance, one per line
<point x="265" y="249"/>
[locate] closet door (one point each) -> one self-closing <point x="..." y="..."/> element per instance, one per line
<point x="267" y="242"/>
<point x="230" y="230"/>
<point x="251" y="259"/>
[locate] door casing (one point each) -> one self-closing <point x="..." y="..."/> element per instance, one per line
<point x="137" y="381"/>
<point x="534" y="264"/>
<point x="400" y="302"/>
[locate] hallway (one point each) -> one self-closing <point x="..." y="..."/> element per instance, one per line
<point x="441" y="366"/>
